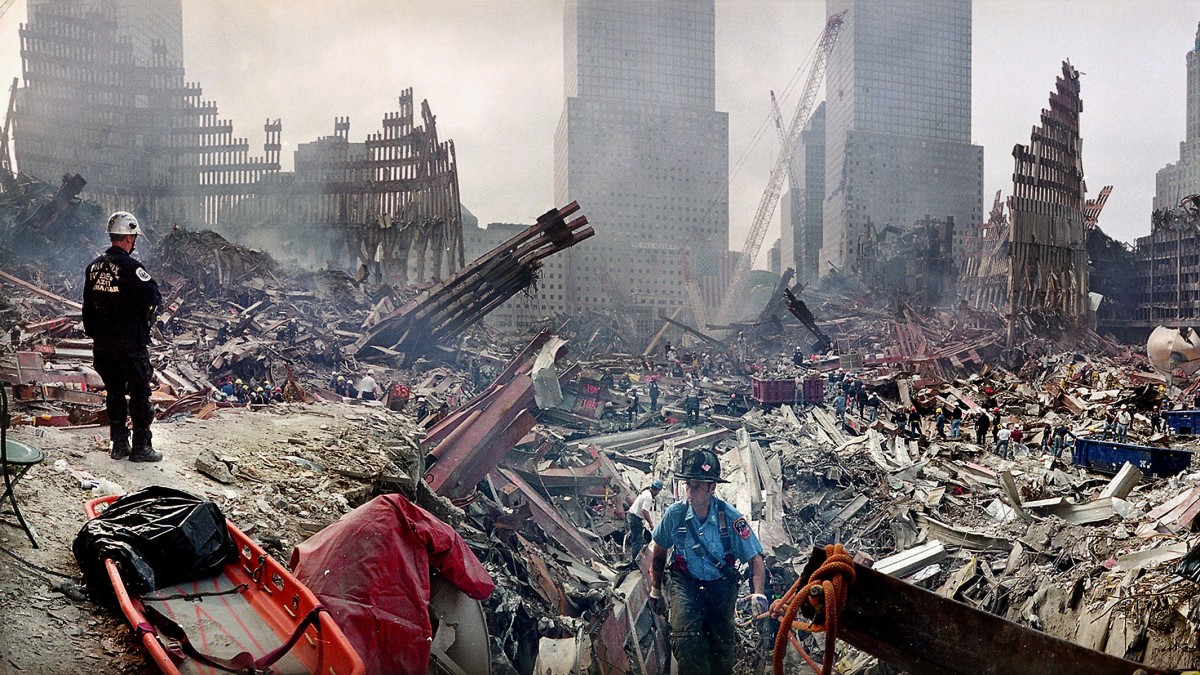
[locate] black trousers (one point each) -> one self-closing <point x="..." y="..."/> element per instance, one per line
<point x="126" y="371"/>
<point x="637" y="534"/>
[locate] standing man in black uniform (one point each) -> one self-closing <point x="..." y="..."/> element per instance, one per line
<point x="119" y="301"/>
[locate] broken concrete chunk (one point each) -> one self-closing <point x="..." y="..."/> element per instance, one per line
<point x="212" y="466"/>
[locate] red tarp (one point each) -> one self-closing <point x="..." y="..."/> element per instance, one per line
<point x="371" y="570"/>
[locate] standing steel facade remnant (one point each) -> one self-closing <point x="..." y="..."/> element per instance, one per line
<point x="983" y="282"/>
<point x="1048" y="266"/>
<point x="444" y="311"/>
<point x="390" y="205"/>
<point x="104" y="97"/>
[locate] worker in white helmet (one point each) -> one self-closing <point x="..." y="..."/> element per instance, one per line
<point x="119" y="301"/>
<point x="367" y="387"/>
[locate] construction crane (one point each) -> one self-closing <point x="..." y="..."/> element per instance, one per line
<point x="6" y="167"/>
<point x="770" y="197"/>
<point x="782" y="139"/>
<point x="4" y="7"/>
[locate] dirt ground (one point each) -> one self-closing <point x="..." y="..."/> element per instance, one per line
<point x="42" y="630"/>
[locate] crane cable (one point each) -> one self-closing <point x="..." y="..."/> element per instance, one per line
<point x="825" y="592"/>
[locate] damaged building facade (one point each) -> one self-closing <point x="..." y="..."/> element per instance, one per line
<point x="1166" y="285"/>
<point x="641" y="145"/>
<point x="104" y="97"/>
<point x="1032" y="263"/>
<point x="898" y="126"/>
<point x="1048" y="250"/>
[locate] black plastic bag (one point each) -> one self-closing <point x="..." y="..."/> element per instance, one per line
<point x="158" y="536"/>
<point x="1189" y="567"/>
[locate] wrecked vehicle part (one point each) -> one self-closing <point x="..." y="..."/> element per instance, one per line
<point x="1171" y="349"/>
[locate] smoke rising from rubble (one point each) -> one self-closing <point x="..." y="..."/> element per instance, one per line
<point x="493" y="74"/>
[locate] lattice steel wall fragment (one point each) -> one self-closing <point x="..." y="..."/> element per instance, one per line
<point x="1048" y="248"/>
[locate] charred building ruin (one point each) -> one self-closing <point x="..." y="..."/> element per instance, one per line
<point x="1048" y="248"/>
<point x="104" y="96"/>
<point x="1034" y="261"/>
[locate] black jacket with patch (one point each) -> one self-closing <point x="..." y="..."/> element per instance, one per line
<point x="119" y="299"/>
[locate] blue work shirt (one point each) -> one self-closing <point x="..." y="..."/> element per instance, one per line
<point x="672" y="531"/>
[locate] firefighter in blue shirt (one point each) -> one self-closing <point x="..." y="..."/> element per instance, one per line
<point x="119" y="301"/>
<point x="706" y="539"/>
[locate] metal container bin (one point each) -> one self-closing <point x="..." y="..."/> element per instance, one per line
<point x="1109" y="456"/>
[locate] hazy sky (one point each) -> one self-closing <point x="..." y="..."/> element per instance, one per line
<point x="492" y="72"/>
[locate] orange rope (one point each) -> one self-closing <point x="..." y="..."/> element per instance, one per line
<point x="826" y="593"/>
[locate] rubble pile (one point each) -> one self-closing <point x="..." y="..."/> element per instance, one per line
<point x="533" y="446"/>
<point x="53" y="227"/>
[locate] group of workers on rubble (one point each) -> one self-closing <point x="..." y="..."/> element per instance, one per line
<point x="238" y="391"/>
<point x="701" y="548"/>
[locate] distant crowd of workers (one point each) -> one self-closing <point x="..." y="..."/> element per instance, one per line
<point x="846" y="393"/>
<point x="1007" y="438"/>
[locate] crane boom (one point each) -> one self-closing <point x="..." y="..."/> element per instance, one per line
<point x="5" y="157"/>
<point x="770" y="197"/>
<point x="782" y="138"/>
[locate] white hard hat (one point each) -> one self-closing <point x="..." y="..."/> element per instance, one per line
<point x="370" y="372"/>
<point x="123" y="222"/>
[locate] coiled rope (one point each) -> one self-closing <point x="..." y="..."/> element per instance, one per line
<point x="825" y="592"/>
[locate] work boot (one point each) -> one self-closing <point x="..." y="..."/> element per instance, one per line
<point x="120" y="442"/>
<point x="143" y="451"/>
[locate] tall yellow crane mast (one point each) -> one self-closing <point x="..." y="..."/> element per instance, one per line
<point x="770" y="197"/>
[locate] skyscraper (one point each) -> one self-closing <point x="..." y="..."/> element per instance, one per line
<point x="898" y="127"/>
<point x="103" y="87"/>
<point x="1176" y="181"/>
<point x="804" y="202"/>
<point x="642" y="149"/>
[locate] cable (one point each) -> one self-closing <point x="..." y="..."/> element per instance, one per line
<point x="36" y="568"/>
